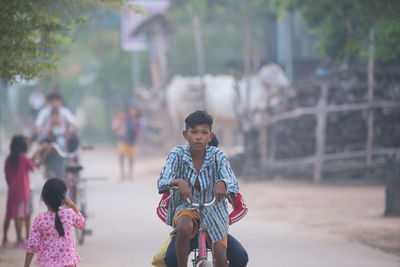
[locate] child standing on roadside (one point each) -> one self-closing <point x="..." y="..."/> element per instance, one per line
<point x="52" y="236"/>
<point x="16" y="170"/>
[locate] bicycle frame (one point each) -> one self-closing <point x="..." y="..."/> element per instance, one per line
<point x="77" y="192"/>
<point x="76" y="187"/>
<point x="201" y="259"/>
<point x="202" y="236"/>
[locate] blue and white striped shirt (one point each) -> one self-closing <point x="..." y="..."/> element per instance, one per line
<point x="179" y="165"/>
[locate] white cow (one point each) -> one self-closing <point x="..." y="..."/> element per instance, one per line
<point x="224" y="98"/>
<point x="184" y="97"/>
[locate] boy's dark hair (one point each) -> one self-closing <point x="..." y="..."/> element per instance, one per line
<point x="53" y="194"/>
<point x="198" y="117"/>
<point x="18" y="145"/>
<point x="55" y="96"/>
<point x="201" y="117"/>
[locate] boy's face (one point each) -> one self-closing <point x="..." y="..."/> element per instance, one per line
<point x="56" y="103"/>
<point x="198" y="136"/>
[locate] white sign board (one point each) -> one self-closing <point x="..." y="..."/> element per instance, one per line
<point x="130" y="21"/>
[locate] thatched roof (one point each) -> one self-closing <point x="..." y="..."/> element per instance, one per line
<point x="146" y="27"/>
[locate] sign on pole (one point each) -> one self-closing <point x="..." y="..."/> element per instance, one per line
<point x="131" y="20"/>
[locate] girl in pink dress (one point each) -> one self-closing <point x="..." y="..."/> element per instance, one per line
<point x="52" y="237"/>
<point x="16" y="170"/>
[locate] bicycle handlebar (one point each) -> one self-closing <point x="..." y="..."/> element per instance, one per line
<point x="171" y="189"/>
<point x="198" y="205"/>
<point x="72" y="154"/>
<point x="167" y="189"/>
<point x="62" y="153"/>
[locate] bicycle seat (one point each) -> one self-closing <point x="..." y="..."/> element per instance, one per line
<point x="74" y="168"/>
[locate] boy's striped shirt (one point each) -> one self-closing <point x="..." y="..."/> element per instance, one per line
<point x="179" y="165"/>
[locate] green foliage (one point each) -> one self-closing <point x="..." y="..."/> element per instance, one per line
<point x="28" y="32"/>
<point x="222" y="32"/>
<point x="32" y="31"/>
<point x="343" y="26"/>
<point x="387" y="39"/>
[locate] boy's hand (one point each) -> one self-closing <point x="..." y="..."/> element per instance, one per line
<point x="184" y="191"/>
<point x="220" y="190"/>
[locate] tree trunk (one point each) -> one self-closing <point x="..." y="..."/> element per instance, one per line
<point x="370" y="126"/>
<point x="393" y="189"/>
<point x="3" y="94"/>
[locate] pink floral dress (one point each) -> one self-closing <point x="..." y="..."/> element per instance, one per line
<point x="51" y="249"/>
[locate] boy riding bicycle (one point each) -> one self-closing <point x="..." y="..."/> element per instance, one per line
<point x="235" y="252"/>
<point x="200" y="172"/>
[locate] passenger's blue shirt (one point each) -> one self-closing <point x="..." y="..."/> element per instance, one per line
<point x="179" y="165"/>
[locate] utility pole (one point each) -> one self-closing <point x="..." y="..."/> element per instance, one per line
<point x="370" y="125"/>
<point x="135" y="69"/>
<point x="247" y="54"/>
<point x="199" y="53"/>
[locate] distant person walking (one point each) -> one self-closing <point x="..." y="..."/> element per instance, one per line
<point x="128" y="127"/>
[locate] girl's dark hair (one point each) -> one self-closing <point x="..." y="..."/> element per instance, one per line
<point x="198" y="117"/>
<point x="53" y="194"/>
<point x="18" y="145"/>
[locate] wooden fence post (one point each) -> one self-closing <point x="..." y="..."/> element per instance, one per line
<point x="370" y="121"/>
<point x="320" y="133"/>
<point x="263" y="143"/>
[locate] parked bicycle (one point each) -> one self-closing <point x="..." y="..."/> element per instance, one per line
<point x="76" y="185"/>
<point x="200" y="254"/>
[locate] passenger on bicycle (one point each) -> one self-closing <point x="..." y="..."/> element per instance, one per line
<point x="200" y="172"/>
<point x="235" y="253"/>
<point x="58" y="131"/>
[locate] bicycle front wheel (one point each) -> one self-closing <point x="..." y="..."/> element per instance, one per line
<point x="80" y="234"/>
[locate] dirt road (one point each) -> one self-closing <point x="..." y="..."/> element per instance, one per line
<point x="287" y="224"/>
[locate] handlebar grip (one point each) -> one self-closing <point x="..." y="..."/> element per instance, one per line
<point x="232" y="195"/>
<point x="164" y="189"/>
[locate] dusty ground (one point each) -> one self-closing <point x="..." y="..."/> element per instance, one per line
<point x="354" y="212"/>
<point x="288" y="224"/>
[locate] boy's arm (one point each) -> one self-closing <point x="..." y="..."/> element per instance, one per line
<point x="168" y="171"/>
<point x="226" y="174"/>
<point x="168" y="176"/>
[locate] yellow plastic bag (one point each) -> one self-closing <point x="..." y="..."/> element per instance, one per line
<point x="158" y="259"/>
